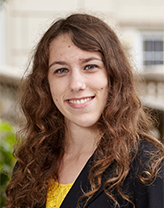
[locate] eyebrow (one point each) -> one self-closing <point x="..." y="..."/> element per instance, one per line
<point x="83" y="61"/>
<point x="58" y="62"/>
<point x="90" y="59"/>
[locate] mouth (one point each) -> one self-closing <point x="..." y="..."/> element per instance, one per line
<point x="80" y="101"/>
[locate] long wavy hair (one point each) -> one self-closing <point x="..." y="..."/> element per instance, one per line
<point x="123" y="121"/>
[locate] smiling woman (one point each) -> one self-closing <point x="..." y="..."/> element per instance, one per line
<point x="86" y="142"/>
<point x="78" y="82"/>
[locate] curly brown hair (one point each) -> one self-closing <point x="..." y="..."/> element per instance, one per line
<point x="123" y="122"/>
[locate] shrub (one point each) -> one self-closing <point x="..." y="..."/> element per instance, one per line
<point x="7" y="161"/>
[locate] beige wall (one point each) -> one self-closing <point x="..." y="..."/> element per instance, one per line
<point x="26" y="21"/>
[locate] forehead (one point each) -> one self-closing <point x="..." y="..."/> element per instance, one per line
<point x="62" y="46"/>
<point x="61" y="40"/>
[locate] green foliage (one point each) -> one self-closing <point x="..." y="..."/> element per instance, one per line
<point x="7" y="161"/>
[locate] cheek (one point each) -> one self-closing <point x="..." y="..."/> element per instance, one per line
<point x="56" y="101"/>
<point x="54" y="93"/>
<point x="99" y="83"/>
<point x="104" y="90"/>
<point x="58" y="93"/>
<point x="103" y="85"/>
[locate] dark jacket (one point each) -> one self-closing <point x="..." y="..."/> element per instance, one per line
<point x="143" y="196"/>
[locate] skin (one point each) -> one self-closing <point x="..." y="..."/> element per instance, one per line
<point x="79" y="88"/>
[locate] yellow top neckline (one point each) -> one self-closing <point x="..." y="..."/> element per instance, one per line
<point x="56" y="193"/>
<point x="67" y="184"/>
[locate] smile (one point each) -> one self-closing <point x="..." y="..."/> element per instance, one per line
<point x="80" y="101"/>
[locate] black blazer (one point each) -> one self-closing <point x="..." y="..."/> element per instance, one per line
<point x="143" y="196"/>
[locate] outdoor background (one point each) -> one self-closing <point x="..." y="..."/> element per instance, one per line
<point x="139" y="25"/>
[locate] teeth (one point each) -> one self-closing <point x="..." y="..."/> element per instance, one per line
<point x="80" y="101"/>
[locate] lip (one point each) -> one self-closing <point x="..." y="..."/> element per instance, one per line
<point x="80" y="102"/>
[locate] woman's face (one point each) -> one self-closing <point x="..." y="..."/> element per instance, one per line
<point x="78" y="82"/>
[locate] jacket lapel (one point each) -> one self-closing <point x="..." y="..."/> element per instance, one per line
<point x="81" y="183"/>
<point x="81" y="186"/>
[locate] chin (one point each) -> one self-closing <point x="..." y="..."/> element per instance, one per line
<point x="87" y="123"/>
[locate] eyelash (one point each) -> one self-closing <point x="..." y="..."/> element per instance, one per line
<point x="90" y="66"/>
<point x="65" y="70"/>
<point x="61" y="71"/>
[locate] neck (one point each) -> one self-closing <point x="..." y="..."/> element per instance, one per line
<point x="81" y="140"/>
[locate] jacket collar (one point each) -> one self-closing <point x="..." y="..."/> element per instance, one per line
<point x="80" y="186"/>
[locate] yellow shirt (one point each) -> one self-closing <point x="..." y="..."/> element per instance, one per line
<point x="56" y="194"/>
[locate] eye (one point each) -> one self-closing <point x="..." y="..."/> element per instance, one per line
<point x="91" y="66"/>
<point x="61" y="71"/>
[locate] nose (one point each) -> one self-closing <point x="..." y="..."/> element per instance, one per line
<point x="77" y="82"/>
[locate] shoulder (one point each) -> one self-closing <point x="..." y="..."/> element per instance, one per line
<point x="145" y="147"/>
<point x="145" y="181"/>
<point x="148" y="155"/>
<point x="147" y="176"/>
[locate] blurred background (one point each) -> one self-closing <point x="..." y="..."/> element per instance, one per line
<point x="139" y="25"/>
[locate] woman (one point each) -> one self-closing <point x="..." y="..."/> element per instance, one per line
<point x="87" y="141"/>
